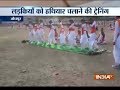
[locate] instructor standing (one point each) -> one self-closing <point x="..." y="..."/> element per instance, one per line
<point x="116" y="43"/>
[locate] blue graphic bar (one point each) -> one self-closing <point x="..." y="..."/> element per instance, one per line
<point x="11" y="18"/>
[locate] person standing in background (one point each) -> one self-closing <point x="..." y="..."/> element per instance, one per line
<point x="111" y="27"/>
<point x="101" y="37"/>
<point x="56" y="36"/>
<point x="78" y="35"/>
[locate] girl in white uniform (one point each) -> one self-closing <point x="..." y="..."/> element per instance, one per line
<point x="84" y="36"/>
<point x="93" y="36"/>
<point x="71" y="34"/>
<point x="41" y="32"/>
<point x="62" y="34"/>
<point x="51" y="36"/>
<point x="37" y="35"/>
<point x="35" y="32"/>
<point x="31" y="34"/>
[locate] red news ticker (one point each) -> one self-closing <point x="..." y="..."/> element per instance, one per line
<point x="104" y="77"/>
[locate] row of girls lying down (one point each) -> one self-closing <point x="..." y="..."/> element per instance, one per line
<point x="85" y="37"/>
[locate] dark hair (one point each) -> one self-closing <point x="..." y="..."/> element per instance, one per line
<point x="118" y="16"/>
<point x="50" y="21"/>
<point x="96" y="28"/>
<point x="71" y="21"/>
<point x="55" y="29"/>
<point x="60" y="21"/>
<point x="41" y="20"/>
<point x="102" y="29"/>
<point x="82" y="20"/>
<point x="91" y="20"/>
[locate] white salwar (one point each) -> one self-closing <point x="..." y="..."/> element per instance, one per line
<point x="93" y="41"/>
<point x="93" y="38"/>
<point x="35" y="35"/>
<point x="62" y="37"/>
<point x="31" y="34"/>
<point x="84" y="38"/>
<point x="116" y="50"/>
<point x="51" y="36"/>
<point x="72" y="36"/>
<point x="41" y="33"/>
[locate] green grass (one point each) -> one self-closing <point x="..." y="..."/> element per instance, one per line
<point x="77" y="49"/>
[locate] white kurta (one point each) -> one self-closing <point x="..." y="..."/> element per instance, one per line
<point x="84" y="38"/>
<point x="116" y="50"/>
